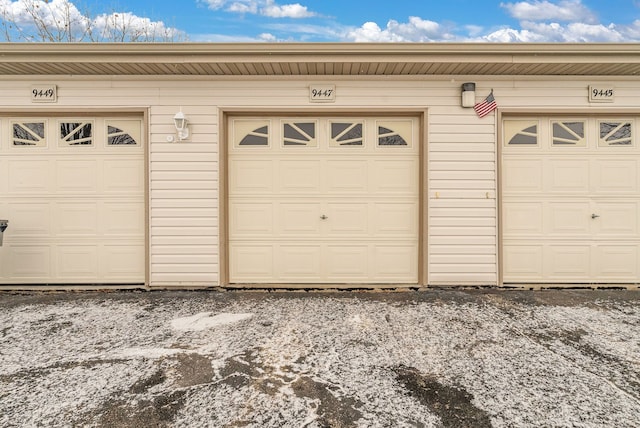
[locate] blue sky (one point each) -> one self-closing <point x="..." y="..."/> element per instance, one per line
<point x="373" y="21"/>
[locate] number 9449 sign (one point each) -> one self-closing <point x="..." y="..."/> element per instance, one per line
<point x="44" y="94"/>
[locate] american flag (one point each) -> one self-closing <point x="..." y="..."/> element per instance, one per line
<point x="486" y="106"/>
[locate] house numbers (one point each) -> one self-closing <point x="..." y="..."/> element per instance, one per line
<point x="322" y="93"/>
<point x="44" y="94"/>
<point x="601" y="94"/>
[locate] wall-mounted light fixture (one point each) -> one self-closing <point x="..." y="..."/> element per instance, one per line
<point x="181" y="123"/>
<point x="468" y="94"/>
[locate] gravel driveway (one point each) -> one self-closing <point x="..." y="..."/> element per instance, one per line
<point x="452" y="358"/>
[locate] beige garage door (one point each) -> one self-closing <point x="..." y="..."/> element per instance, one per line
<point x="323" y="200"/>
<point x="571" y="195"/>
<point x="73" y="191"/>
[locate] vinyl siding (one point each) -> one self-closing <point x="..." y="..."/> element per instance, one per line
<point x="462" y="198"/>
<point x="183" y="181"/>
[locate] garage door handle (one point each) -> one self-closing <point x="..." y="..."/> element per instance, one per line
<point x="594" y="216"/>
<point x="324" y="217"/>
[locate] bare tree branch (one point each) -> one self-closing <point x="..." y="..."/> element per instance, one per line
<point x="62" y="21"/>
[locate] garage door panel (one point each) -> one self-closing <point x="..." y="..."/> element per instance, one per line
<point x="123" y="176"/>
<point x="251" y="262"/>
<point x="299" y="219"/>
<point x="569" y="219"/>
<point x="346" y="177"/>
<point x="76" y="218"/>
<point x="399" y="177"/>
<point x="27" y="177"/>
<point x="251" y="176"/>
<point x="347" y="218"/>
<point x="76" y="176"/>
<point x="29" y="262"/>
<point x="524" y="262"/>
<point x="29" y="219"/>
<point x="615" y="176"/>
<point x="568" y="176"/>
<point x="78" y="262"/>
<point x="568" y="263"/>
<point x="615" y="261"/>
<point x="616" y="219"/>
<point x="395" y="262"/>
<point x="398" y="219"/>
<point x="251" y="219"/>
<point x="122" y="262"/>
<point x="123" y="218"/>
<point x="523" y="218"/>
<point x="523" y="175"/>
<point x="299" y="262"/>
<point x="4" y="177"/>
<point x="350" y="262"/>
<point x="299" y="176"/>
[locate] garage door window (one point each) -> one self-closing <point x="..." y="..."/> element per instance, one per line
<point x="615" y="133"/>
<point x="123" y="132"/>
<point x="521" y="132"/>
<point x="396" y="133"/>
<point x="569" y="133"/>
<point x="29" y="134"/>
<point x="75" y="133"/>
<point x="299" y="134"/>
<point x="251" y="133"/>
<point x="346" y="134"/>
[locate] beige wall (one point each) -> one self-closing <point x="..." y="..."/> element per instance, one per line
<point x="184" y="181"/>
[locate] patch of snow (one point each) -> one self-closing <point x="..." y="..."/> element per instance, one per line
<point x="204" y="320"/>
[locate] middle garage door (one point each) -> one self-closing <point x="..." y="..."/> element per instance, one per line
<point x="323" y="200"/>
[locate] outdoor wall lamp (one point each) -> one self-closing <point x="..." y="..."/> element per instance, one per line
<point x="180" y="121"/>
<point x="3" y="227"/>
<point x="468" y="94"/>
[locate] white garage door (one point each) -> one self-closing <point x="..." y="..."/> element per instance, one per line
<point x="73" y="191"/>
<point x="571" y="200"/>
<point x="323" y="200"/>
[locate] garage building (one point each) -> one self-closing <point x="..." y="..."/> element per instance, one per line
<point x="319" y="165"/>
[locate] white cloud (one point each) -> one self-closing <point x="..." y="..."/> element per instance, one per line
<point x="416" y="30"/>
<point x="286" y="11"/>
<point x="214" y="4"/>
<point x="509" y="35"/>
<point x="268" y="8"/>
<point x="565" y="10"/>
<point x="554" y="32"/>
<point x="249" y="7"/>
<point x="51" y="13"/>
<point x="540" y="21"/>
<point x="267" y="37"/>
<point x="131" y="27"/>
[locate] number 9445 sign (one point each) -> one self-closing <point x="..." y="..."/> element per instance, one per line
<point x="601" y="94"/>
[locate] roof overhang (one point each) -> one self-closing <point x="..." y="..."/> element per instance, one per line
<point x="320" y="59"/>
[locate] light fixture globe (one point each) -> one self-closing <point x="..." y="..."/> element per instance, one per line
<point x="180" y="122"/>
<point x="468" y="94"/>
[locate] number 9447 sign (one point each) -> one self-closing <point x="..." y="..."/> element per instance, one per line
<point x="322" y="93"/>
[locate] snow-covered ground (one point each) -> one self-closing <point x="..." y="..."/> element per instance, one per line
<point x="257" y="359"/>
